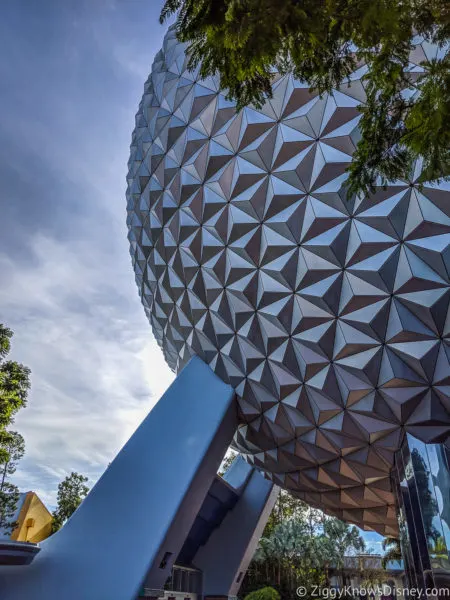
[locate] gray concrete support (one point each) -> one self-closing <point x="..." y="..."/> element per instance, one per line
<point x="225" y="557"/>
<point x="136" y="518"/>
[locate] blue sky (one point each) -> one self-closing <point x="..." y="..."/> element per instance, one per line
<point x="71" y="77"/>
<point x="72" y="74"/>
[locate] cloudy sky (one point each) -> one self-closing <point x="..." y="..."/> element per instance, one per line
<point x="71" y="77"/>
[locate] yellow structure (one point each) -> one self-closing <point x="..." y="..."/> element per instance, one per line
<point x="34" y="520"/>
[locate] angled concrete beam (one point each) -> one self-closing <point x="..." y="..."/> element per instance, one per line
<point x="136" y="518"/>
<point x="225" y="557"/>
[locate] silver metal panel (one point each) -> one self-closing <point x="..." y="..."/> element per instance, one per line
<point x="328" y="317"/>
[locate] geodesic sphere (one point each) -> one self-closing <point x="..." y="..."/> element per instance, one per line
<point x="328" y="317"/>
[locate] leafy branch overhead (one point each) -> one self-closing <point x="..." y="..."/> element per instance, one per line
<point x="406" y="115"/>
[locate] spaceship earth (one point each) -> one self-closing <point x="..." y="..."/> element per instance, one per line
<point x="329" y="317"/>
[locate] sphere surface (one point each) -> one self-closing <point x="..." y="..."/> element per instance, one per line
<point x="328" y="317"/>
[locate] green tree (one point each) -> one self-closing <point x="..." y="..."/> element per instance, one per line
<point x="290" y="556"/>
<point x="344" y="537"/>
<point x="299" y="549"/>
<point x="12" y="449"/>
<point x="14" y="381"/>
<point x="71" y="492"/>
<point x="344" y="540"/>
<point x="392" y="550"/>
<point x="265" y="593"/>
<point x="404" y="115"/>
<point x="286" y="507"/>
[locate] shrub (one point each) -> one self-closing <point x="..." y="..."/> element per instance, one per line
<point x="265" y="593"/>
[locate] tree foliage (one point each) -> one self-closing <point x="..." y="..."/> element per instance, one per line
<point x="265" y="593"/>
<point x="9" y="498"/>
<point x="405" y="115"/>
<point x="12" y="449"/>
<point x="14" y="386"/>
<point x="14" y="381"/>
<point x="392" y="551"/>
<point x="303" y="547"/>
<point x="294" y="556"/>
<point x="298" y="547"/>
<point x="287" y="507"/>
<point x="345" y="539"/>
<point x="71" y="492"/>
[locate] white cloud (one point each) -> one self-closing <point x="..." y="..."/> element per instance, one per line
<point x="96" y="370"/>
<point x="73" y="304"/>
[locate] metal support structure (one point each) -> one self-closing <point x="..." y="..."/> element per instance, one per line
<point x="225" y="557"/>
<point x="134" y="521"/>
